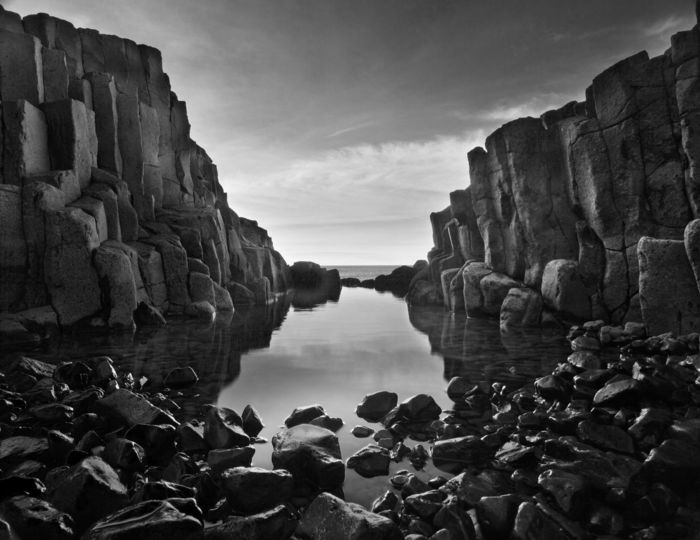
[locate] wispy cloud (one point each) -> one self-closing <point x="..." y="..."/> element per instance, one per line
<point x="506" y="111"/>
<point x="666" y="26"/>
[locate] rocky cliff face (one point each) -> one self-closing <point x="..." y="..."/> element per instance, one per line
<point x="557" y="205"/>
<point x="106" y="203"/>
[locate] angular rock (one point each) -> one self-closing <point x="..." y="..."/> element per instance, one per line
<point x="563" y="289"/>
<point x="20" y="65"/>
<point x="311" y="454"/>
<point x="375" y="406"/>
<point x="494" y="289"/>
<point x="130" y="408"/>
<point x="370" y="461"/>
<point x="304" y="415"/>
<point x="219" y="433"/>
<point x="115" y="270"/>
<point x="330" y="517"/>
<point x="279" y="523"/>
<point x="181" y="377"/>
<point x="69" y="138"/>
<point x="33" y="518"/>
<point x="521" y="308"/>
<point x="87" y="491"/>
<point x="25" y="141"/>
<point x="254" y="489"/>
<point x="252" y="423"/>
<point x="228" y="458"/>
<point x="458" y="453"/>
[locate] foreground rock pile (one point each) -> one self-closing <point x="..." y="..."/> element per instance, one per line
<point x="606" y="445"/>
<point x="584" y="211"/>
<point x="110" y="213"/>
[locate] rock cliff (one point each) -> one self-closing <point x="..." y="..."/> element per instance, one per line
<point x="107" y="206"/>
<point x="584" y="210"/>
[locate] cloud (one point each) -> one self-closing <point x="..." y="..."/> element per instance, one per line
<point x="666" y="26"/>
<point x="505" y="111"/>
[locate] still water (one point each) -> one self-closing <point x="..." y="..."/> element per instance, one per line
<point x="280" y="357"/>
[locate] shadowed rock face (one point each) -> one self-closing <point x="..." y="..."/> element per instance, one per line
<point x="581" y="186"/>
<point x="96" y="148"/>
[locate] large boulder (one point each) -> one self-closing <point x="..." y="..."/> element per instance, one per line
<point x="130" y="408"/>
<point x="252" y="489"/>
<point x="72" y="282"/>
<point x="522" y="307"/>
<point x="494" y="289"/>
<point x="88" y="491"/>
<point x="30" y="517"/>
<point x="564" y="291"/>
<point x="115" y="271"/>
<point x="311" y="454"/>
<point x="25" y="141"/>
<point x="278" y="523"/>
<point x="331" y="518"/>
<point x="668" y="291"/>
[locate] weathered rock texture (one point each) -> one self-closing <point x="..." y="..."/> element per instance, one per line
<point x="104" y="197"/>
<point x="559" y="203"/>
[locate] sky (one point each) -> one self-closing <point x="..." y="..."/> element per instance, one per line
<point x="341" y="124"/>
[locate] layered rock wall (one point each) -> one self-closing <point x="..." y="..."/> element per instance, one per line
<point x="106" y="202"/>
<point x="559" y="203"/>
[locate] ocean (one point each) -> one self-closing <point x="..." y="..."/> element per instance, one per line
<point x="363" y="272"/>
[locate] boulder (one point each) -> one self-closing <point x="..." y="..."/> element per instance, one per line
<point x="564" y="291"/>
<point x="375" y="406"/>
<point x="252" y="423"/>
<point x="88" y="491"/>
<point x="181" y="377"/>
<point x="252" y="489"/>
<point x="329" y="517"/>
<point x="370" y="461"/>
<point x="55" y="74"/>
<point x="201" y="288"/>
<point x="460" y="452"/>
<point x="227" y="458"/>
<point x="668" y="291"/>
<point x="279" y="523"/>
<point x="144" y="521"/>
<point x="219" y="432"/>
<point x="30" y="517"/>
<point x="311" y="454"/>
<point x="521" y="308"/>
<point x="130" y="408"/>
<point x="72" y="282"/>
<point x="115" y="270"/>
<point x="304" y="415"/>
<point x="174" y="265"/>
<point x="65" y="181"/>
<point x="494" y="290"/>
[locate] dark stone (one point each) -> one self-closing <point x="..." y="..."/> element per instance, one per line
<point x="158" y="441"/>
<point x="124" y="454"/>
<point x="278" y="523"/>
<point x="329" y="422"/>
<point x="617" y="393"/>
<point x="675" y="462"/>
<point x="130" y="408"/>
<point x="227" y="458"/>
<point x="552" y="388"/>
<point x="304" y="415"/>
<point x="568" y="490"/>
<point x="181" y="377"/>
<point x="21" y="485"/>
<point x="311" y="454"/>
<point x="219" y="433"/>
<point x="456" y="454"/>
<point x="362" y="431"/>
<point x="604" y="436"/>
<point x="30" y="517"/>
<point x="329" y="517"/>
<point x="147" y="520"/>
<point x="375" y="406"/>
<point x="252" y="490"/>
<point x="370" y="461"/>
<point x="252" y="423"/>
<point x="424" y="505"/>
<point x="388" y="501"/>
<point x="496" y="514"/>
<point x="159" y="490"/>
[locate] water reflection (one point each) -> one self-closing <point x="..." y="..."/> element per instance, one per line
<point x="287" y="354"/>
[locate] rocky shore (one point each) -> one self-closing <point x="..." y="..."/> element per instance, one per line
<point x="588" y="212"/>
<point x="605" y="445"/>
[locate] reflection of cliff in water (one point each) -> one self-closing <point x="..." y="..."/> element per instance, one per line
<point x="476" y="348"/>
<point x="212" y="348"/>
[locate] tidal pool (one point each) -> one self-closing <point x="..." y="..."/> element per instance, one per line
<point x="280" y="357"/>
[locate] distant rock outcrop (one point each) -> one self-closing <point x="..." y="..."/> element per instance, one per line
<point x="106" y="203"/>
<point x="558" y="204"/>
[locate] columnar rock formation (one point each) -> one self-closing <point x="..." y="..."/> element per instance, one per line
<point x="559" y="206"/>
<point x="106" y="203"/>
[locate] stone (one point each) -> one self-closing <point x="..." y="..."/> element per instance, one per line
<point x="128" y="220"/>
<point x="201" y="310"/>
<point x="691" y="239"/>
<point x="419" y="408"/>
<point x="115" y="270"/>
<point x="608" y="437"/>
<point x="181" y="377"/>
<point x="458" y="453"/>
<point x="425" y="505"/>
<point x="329" y="517"/>
<point x="387" y="501"/>
<point x="20" y="65"/>
<point x="252" y="423"/>
<point x="29" y="517"/>
<point x="496" y="514"/>
<point x="279" y="523"/>
<point x="494" y="289"/>
<point x="88" y="491"/>
<point x="25" y="141"/>
<point x="201" y="288"/>
<point x="521" y="308"/>
<point x="304" y="415"/>
<point x="668" y="291"/>
<point x="531" y="522"/>
<point x="174" y="264"/>
<point x="22" y="447"/>
<point x="124" y="454"/>
<point x="157" y="440"/>
<point x="228" y="458"/>
<point x="568" y="490"/>
<point x="72" y="282"/>
<point x="674" y="463"/>
<point x="220" y="433"/>
<point x="552" y="388"/>
<point x="584" y="360"/>
<point x="563" y="289"/>
<point x="222" y="298"/>
<point x="311" y="454"/>
<point x="370" y="461"/>
<point x="68" y="136"/>
<point x="331" y="423"/>
<point x="362" y="431"/>
<point x="618" y="392"/>
<point x="375" y="406"/>
<point x="146" y="520"/>
<point x="130" y="408"/>
<point x="252" y="489"/>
